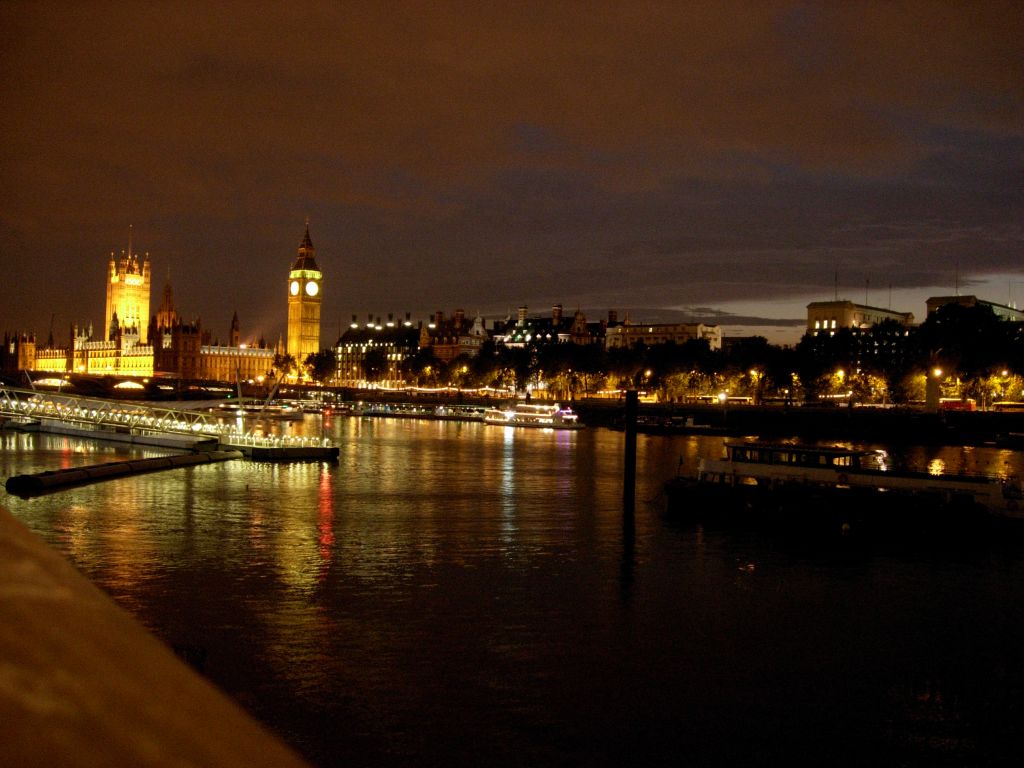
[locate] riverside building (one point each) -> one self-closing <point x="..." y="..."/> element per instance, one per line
<point x="375" y="351"/>
<point x="827" y="317"/>
<point x="1002" y="311"/>
<point x="628" y="335"/>
<point x="131" y="343"/>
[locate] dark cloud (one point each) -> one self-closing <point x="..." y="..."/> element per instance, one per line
<point x="461" y="154"/>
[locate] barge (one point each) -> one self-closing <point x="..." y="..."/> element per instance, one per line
<point x="837" y="485"/>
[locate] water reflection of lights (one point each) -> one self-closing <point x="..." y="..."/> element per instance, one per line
<point x="882" y="459"/>
<point x="508" y="486"/>
<point x="325" y="520"/>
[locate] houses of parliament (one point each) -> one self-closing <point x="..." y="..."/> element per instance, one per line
<point x="133" y="342"/>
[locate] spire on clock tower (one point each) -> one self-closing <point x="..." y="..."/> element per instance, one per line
<point x="307" y="253"/>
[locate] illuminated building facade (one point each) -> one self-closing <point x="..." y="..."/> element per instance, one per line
<point x="133" y="343"/>
<point x="527" y="331"/>
<point x="827" y="317"/>
<point x="534" y="331"/>
<point x="305" y="282"/>
<point x="121" y="356"/>
<point x="120" y="348"/>
<point x="449" y="338"/>
<point x="390" y="344"/>
<point x="128" y="282"/>
<point x="627" y="335"/>
<point x="184" y="350"/>
<point x="187" y="352"/>
<point x="236" y="362"/>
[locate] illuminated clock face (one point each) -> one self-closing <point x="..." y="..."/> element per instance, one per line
<point x="294" y="288"/>
<point x="312" y="288"/>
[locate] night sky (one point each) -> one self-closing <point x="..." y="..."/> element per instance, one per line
<point x="721" y="159"/>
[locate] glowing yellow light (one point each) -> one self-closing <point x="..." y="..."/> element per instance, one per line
<point x="937" y="373"/>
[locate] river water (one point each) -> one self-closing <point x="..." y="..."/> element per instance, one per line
<point x="458" y="594"/>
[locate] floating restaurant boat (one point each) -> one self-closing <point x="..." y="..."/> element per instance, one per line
<point x="547" y="416"/>
<point x="837" y="483"/>
<point x="257" y="411"/>
<point x="420" y="411"/>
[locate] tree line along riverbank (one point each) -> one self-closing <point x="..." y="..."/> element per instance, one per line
<point x="889" y="425"/>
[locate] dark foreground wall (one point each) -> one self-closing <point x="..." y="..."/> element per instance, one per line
<point x="81" y="684"/>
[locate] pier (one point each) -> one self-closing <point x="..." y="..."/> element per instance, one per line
<point x="55" y="479"/>
<point x="145" y="424"/>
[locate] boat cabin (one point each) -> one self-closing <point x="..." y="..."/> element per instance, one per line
<point x="820" y="457"/>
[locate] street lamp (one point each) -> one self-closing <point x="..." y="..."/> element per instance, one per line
<point x="755" y="378"/>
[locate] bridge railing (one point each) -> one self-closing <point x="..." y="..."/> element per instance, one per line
<point x="100" y="413"/>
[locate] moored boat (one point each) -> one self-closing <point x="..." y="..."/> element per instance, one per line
<point x="277" y="412"/>
<point x="838" y="483"/>
<point x="545" y="416"/>
<point x="456" y="412"/>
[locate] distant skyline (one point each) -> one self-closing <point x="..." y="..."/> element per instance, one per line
<point x="726" y="160"/>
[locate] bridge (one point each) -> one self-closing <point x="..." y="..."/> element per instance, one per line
<point x="149" y="424"/>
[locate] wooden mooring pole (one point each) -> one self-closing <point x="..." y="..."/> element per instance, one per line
<point x="629" y="460"/>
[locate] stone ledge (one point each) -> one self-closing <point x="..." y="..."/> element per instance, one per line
<point x="83" y="684"/>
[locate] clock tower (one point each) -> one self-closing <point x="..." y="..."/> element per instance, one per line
<point x="304" y="284"/>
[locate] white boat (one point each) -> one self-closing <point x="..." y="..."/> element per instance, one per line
<point x="419" y="411"/>
<point x="282" y="412"/>
<point x="257" y="411"/>
<point x="822" y="481"/>
<point x="546" y="416"/>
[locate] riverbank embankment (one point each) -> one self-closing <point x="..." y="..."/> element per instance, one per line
<point x="809" y="422"/>
<point x="890" y="425"/>
<point x="86" y="685"/>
